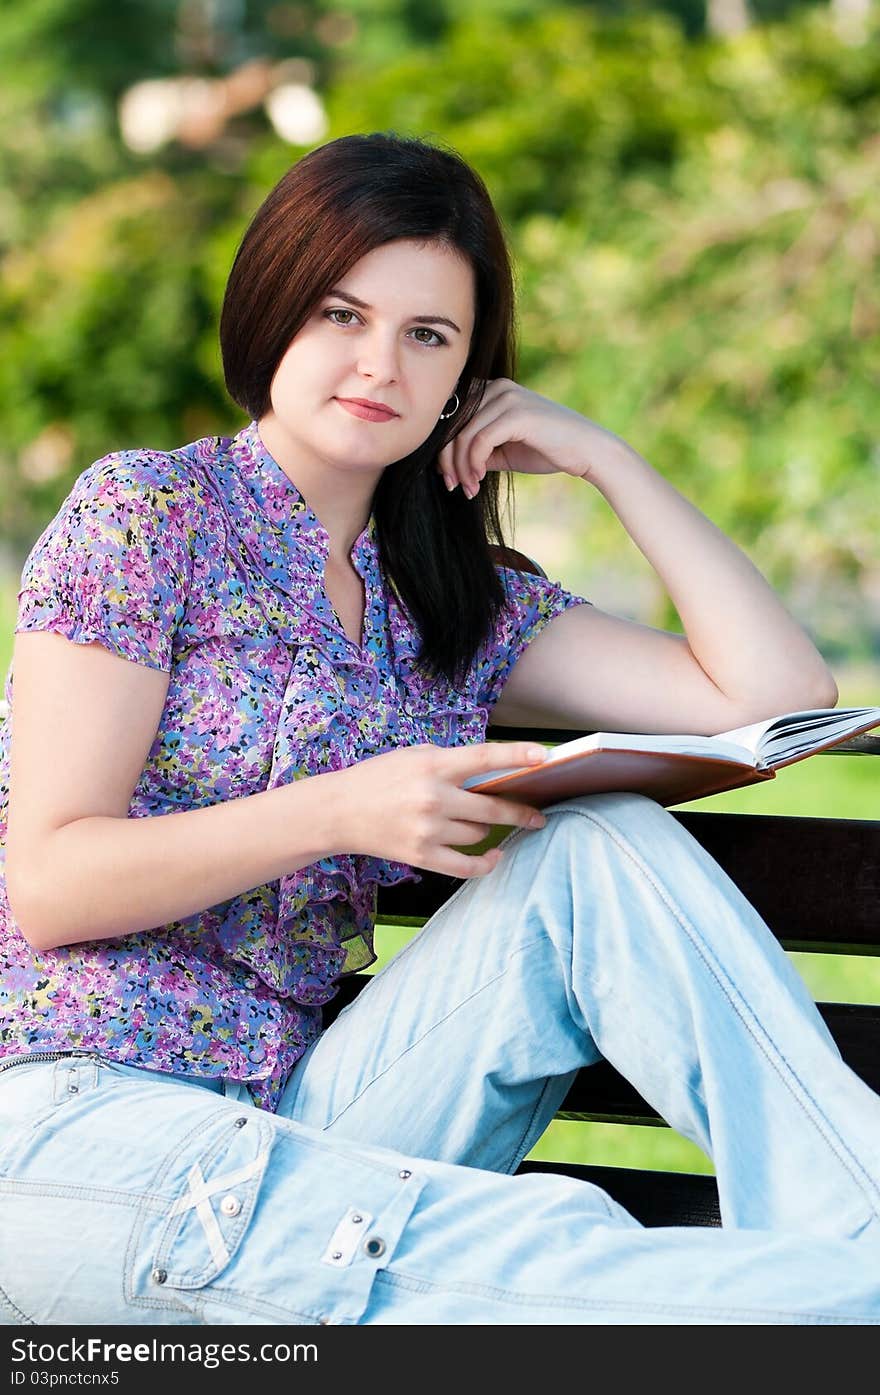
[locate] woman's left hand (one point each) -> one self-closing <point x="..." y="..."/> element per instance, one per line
<point x="517" y="429"/>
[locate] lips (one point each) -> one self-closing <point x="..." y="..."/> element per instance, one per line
<point x="359" y="409"/>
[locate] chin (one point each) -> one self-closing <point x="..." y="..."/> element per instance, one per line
<point x="343" y="458"/>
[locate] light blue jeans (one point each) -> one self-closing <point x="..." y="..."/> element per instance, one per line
<point x="380" y="1192"/>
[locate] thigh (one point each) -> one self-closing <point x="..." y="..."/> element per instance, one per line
<point x="463" y="1047"/>
<point x="126" y="1198"/>
<point x="150" y="1202"/>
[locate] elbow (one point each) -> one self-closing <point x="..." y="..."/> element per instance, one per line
<point x="821" y="692"/>
<point x="809" y="688"/>
<point x="825" y="690"/>
<point x="800" y="693"/>
<point x="832" y="693"/>
<point x="29" y="911"/>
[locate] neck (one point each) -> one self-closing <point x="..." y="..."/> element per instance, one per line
<point x="340" y="499"/>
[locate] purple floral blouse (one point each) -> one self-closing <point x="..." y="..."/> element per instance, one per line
<point x="207" y="563"/>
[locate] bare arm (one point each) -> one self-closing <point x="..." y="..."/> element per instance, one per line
<point x="742" y="658"/>
<point x="78" y="868"/>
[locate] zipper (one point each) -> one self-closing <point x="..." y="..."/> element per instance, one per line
<point x="44" y="1056"/>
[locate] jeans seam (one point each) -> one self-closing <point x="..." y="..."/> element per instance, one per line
<point x="523" y="1146"/>
<point x="399" y="1279"/>
<point x="847" y="1160"/>
<point x="413" y="1044"/>
<point x="10" y="1186"/>
<point x="14" y="1308"/>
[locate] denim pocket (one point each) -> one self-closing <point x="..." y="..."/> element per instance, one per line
<point x="209" y="1185"/>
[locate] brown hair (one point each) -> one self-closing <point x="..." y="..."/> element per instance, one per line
<point x="336" y="204"/>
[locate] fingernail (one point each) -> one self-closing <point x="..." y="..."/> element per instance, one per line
<point x="537" y="821"/>
<point x="450" y="482"/>
<point x="536" y="753"/>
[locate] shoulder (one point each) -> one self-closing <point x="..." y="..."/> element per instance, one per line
<point x="140" y="490"/>
<point x="162" y="484"/>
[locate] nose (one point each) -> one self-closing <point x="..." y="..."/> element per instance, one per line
<point x="378" y="358"/>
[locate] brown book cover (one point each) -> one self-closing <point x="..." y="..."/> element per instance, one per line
<point x="672" y="777"/>
<point x="669" y="779"/>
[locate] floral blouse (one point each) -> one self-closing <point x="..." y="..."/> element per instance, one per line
<point x="206" y="562"/>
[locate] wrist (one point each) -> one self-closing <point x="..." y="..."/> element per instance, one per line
<point x="320" y="802"/>
<point x="613" y="463"/>
<point x="336" y="812"/>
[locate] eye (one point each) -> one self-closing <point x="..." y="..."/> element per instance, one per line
<point x="328" y="313"/>
<point x="423" y="329"/>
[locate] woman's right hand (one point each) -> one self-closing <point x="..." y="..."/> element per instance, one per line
<point x="408" y="806"/>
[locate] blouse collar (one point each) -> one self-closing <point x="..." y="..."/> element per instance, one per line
<point x="275" y="534"/>
<point x="283" y="507"/>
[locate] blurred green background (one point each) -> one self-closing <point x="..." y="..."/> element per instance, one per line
<point x="692" y="196"/>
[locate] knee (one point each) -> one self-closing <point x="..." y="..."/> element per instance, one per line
<point x="620" y="807"/>
<point x="623" y="817"/>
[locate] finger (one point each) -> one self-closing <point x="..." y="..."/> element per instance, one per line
<point x="446" y="467"/>
<point x="464" y="865"/>
<point x="491" y="809"/>
<point x="490" y="409"/>
<point x="476" y="445"/>
<point x="457" y="832"/>
<point x="480" y="756"/>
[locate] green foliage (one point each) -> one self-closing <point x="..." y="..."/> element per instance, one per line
<point x="694" y="226"/>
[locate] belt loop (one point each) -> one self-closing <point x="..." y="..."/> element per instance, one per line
<point x="73" y="1076"/>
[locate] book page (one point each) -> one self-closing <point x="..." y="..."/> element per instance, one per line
<point x="797" y="733"/>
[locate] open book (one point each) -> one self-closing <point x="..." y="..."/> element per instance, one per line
<point x="673" y="768"/>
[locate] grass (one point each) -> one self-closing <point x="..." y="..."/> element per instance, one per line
<point x="831" y="786"/>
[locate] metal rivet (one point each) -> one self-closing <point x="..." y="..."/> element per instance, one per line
<point x="325" y="1321"/>
<point x="356" y="1220"/>
<point x="230" y="1205"/>
<point x="337" y="1254"/>
<point x="240" y="1123"/>
<point x="73" y="1089"/>
<point x="375" y="1246"/>
<point x="159" y="1276"/>
<point x="403" y="1174"/>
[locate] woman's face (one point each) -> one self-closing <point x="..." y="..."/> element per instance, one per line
<point x="396" y="331"/>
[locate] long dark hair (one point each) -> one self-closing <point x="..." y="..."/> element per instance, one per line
<point x="339" y="202"/>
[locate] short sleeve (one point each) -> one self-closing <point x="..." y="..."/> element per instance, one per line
<point x="532" y="601"/>
<point x="114" y="563"/>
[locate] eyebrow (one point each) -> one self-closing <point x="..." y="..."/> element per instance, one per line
<point x="420" y="319"/>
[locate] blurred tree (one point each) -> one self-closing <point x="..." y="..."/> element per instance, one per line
<point x="695" y="225"/>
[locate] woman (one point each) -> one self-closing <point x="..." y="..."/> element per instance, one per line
<point x="250" y="678"/>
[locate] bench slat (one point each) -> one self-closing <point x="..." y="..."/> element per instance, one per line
<point x="815" y="881"/>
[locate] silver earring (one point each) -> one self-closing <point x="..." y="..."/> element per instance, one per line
<point x="445" y="415"/>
